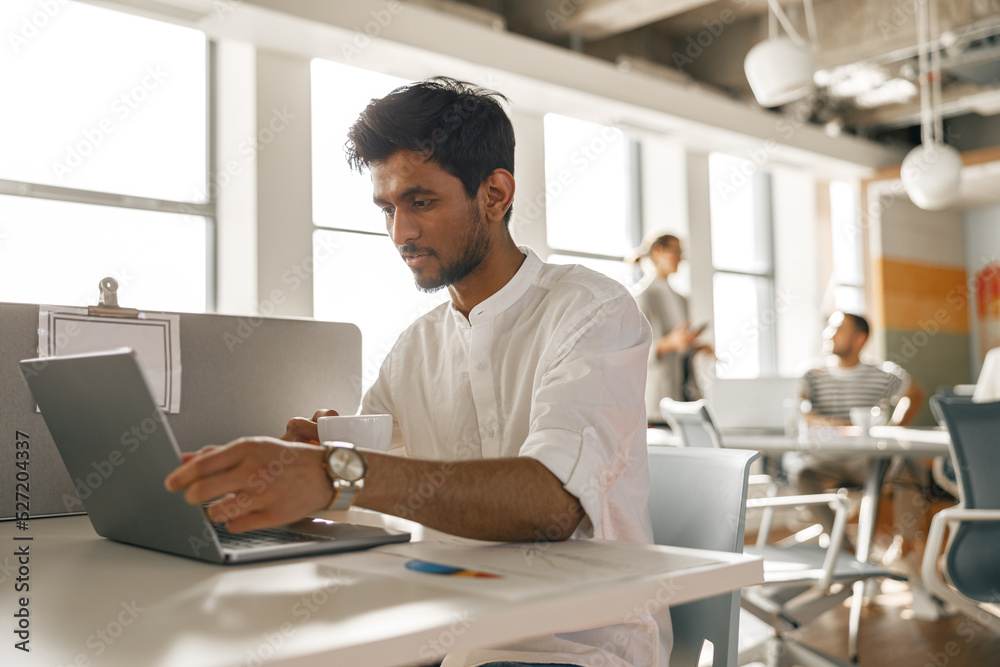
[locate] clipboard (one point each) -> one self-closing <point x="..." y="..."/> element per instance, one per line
<point x="154" y="336"/>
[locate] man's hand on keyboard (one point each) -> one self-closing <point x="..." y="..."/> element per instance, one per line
<point x="255" y="482"/>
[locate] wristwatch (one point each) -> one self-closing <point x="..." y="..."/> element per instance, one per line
<point x="346" y="467"/>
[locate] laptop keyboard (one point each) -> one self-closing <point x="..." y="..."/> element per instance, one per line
<point x="267" y="537"/>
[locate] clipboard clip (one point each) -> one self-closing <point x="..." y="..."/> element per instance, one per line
<point x="108" y="306"/>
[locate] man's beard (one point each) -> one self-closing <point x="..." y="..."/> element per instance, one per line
<point x="476" y="247"/>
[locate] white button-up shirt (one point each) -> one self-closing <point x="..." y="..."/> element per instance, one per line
<point x="552" y="366"/>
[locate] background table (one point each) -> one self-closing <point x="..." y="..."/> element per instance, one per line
<point x="97" y="602"/>
<point x="878" y="446"/>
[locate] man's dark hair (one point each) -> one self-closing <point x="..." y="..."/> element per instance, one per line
<point x="460" y="126"/>
<point x="860" y="323"/>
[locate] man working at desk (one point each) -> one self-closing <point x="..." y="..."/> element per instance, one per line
<point x="843" y="382"/>
<point x="520" y="402"/>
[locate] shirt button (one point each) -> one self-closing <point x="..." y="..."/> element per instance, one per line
<point x="480" y="366"/>
<point x="490" y="432"/>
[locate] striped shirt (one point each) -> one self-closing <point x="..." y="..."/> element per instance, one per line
<point x="834" y="390"/>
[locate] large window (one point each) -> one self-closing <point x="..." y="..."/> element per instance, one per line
<point x="848" y="248"/>
<point x="359" y="276"/>
<point x="104" y="163"/>
<point x="742" y="256"/>
<point x="591" y="195"/>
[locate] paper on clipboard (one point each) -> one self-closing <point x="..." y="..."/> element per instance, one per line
<point x="154" y="336"/>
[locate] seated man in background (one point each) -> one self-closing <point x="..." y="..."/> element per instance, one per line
<point x="843" y="381"/>
<point x="519" y="402"/>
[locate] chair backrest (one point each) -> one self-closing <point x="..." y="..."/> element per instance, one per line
<point x="698" y="499"/>
<point x="972" y="562"/>
<point x="692" y="422"/>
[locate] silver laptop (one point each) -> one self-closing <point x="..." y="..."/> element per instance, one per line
<point x="751" y="405"/>
<point x="118" y="448"/>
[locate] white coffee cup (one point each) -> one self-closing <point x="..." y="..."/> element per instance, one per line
<point x="363" y="431"/>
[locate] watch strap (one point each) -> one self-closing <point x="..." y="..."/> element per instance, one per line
<point x="343" y="490"/>
<point x="343" y="494"/>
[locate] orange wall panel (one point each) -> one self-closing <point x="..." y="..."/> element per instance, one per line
<point x="922" y="296"/>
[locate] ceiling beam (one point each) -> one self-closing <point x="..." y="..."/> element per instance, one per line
<point x="597" y="19"/>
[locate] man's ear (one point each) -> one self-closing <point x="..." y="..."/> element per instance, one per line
<point x="498" y="189"/>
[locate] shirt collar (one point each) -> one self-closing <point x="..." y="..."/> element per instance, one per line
<point x="507" y="295"/>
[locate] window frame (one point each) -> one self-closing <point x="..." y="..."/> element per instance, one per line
<point x="633" y="216"/>
<point x="206" y="210"/>
<point x="767" y="341"/>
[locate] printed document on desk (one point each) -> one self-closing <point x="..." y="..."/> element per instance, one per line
<point x="519" y="570"/>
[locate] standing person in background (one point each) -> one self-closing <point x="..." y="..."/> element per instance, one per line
<point x="667" y="312"/>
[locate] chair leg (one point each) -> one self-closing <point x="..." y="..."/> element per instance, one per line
<point x="854" y="621"/>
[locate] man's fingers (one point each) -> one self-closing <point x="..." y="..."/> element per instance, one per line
<point x="208" y="463"/>
<point x="300" y="429"/>
<point x="233" y="505"/>
<point x="254" y="521"/>
<point x="230" y="481"/>
<point x="324" y="413"/>
<point x="187" y="456"/>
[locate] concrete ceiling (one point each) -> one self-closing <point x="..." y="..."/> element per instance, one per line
<point x="865" y="50"/>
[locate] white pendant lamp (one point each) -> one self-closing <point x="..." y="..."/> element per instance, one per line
<point x="931" y="172"/>
<point x="780" y="69"/>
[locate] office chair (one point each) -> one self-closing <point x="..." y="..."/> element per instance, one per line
<point x="943" y="467"/>
<point x="971" y="564"/>
<point x="801" y="581"/>
<point x="692" y="422"/>
<point x="698" y="500"/>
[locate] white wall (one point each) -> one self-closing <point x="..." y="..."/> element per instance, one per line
<point x="284" y="186"/>
<point x="234" y="177"/>
<point x="664" y="182"/>
<point x="798" y="291"/>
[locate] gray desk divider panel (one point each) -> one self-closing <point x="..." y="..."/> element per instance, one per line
<point x="241" y="376"/>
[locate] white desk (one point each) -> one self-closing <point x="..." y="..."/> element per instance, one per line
<point x="916" y="437"/>
<point x="158" y="610"/>
<point x="883" y="442"/>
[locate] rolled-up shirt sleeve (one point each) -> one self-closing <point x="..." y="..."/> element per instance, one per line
<point x="588" y="404"/>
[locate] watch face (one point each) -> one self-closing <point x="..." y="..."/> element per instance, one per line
<point x="347" y="464"/>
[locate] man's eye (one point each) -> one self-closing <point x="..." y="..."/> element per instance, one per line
<point x="421" y="203"/>
<point x="387" y="211"/>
